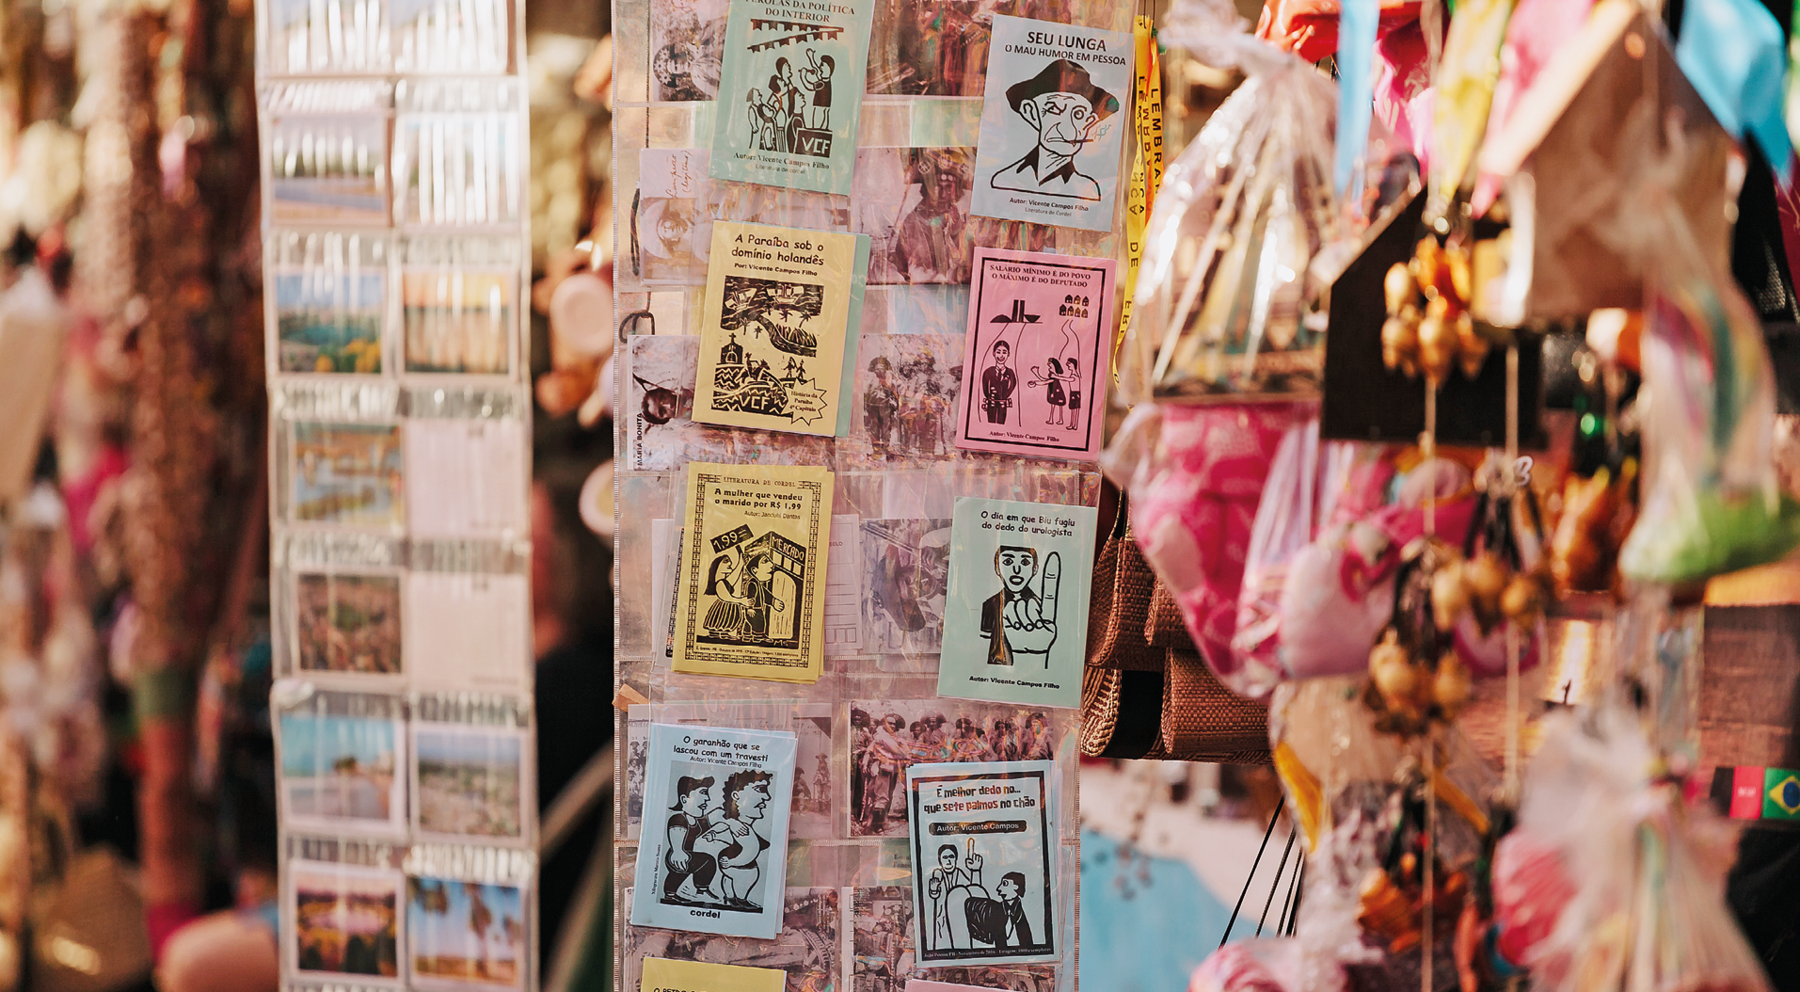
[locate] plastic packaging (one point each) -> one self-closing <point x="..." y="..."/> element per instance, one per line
<point x="1648" y="870"/>
<point x="1712" y="502"/>
<point x="1248" y="230"/>
<point x="1286" y="520"/>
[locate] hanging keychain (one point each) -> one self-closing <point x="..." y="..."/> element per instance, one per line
<point x="1433" y="299"/>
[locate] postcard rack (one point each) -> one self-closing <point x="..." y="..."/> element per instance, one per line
<point x="396" y="264"/>
<point x="720" y="126"/>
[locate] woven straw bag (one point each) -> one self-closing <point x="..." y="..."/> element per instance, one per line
<point x="1146" y="693"/>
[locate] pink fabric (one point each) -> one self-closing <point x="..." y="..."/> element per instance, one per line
<point x="1537" y="29"/>
<point x="1233" y="968"/>
<point x="1340" y="590"/>
<point x="1193" y="521"/>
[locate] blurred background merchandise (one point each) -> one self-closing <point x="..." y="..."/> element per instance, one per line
<point x="137" y="804"/>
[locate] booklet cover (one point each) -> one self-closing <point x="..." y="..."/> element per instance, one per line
<point x="713" y="857"/>
<point x="1052" y="120"/>
<point x="776" y="328"/>
<point x="751" y="595"/>
<point x="1034" y="358"/>
<point x="982" y="869"/>
<point x="1015" y="619"/>
<point x="666" y="975"/>
<point x="791" y="93"/>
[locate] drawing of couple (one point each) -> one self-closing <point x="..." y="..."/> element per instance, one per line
<point x="707" y="843"/>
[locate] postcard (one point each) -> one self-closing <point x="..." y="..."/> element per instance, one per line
<point x="906" y="570"/>
<point x="914" y="205"/>
<point x="459" y="299"/>
<point x="773" y="334"/>
<point x="342" y="762"/>
<point x="347" y="622"/>
<point x="982" y="861"/>
<point x="859" y="292"/>
<point x="884" y="953"/>
<point x="329" y="168"/>
<point x="791" y="94"/>
<point x="843" y="594"/>
<point x="687" y="50"/>
<point x="672" y="226"/>
<point x="924" y="309"/>
<point x="1015" y="619"/>
<point x="665" y="975"/>
<point x="812" y="814"/>
<point x="996" y="982"/>
<point x="346" y="922"/>
<point x="943" y="54"/>
<point x="330" y="322"/>
<point x="348" y="474"/>
<point x="467" y="630"/>
<point x="462" y="934"/>
<point x="451" y="36"/>
<point x="457" y="169"/>
<point x="906" y="394"/>
<point x="714" y="851"/>
<point x="459" y="322"/>
<point x="1052" y="123"/>
<point x="469" y="782"/>
<point x="806" y="950"/>
<point x="889" y="736"/>
<point x="1035" y="363"/>
<point x="337" y="36"/>
<point x="751" y="599"/>
<point x="470" y="476"/>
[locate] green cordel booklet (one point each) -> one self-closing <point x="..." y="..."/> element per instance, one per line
<point x="791" y="93"/>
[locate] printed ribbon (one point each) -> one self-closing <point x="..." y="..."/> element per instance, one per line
<point x="1146" y="165"/>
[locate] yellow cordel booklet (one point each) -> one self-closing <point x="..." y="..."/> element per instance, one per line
<point x="751" y="596"/>
<point x="666" y="975"/>
<point x="772" y="335"/>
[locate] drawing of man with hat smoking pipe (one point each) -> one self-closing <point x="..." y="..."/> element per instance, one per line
<point x="1065" y="107"/>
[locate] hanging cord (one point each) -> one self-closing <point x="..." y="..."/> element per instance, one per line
<point x="1279" y="805"/>
<point x="1428" y="873"/>
<point x="1290" y="903"/>
<point x="1299" y="894"/>
<point x="1511" y="781"/>
<point x="1428" y="450"/>
<point x="1276" y="884"/>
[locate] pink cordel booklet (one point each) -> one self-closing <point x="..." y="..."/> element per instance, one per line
<point x="1034" y="361"/>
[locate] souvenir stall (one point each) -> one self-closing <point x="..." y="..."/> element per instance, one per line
<point x="868" y="269"/>
<point x="1454" y="442"/>
<point x="1449" y="403"/>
